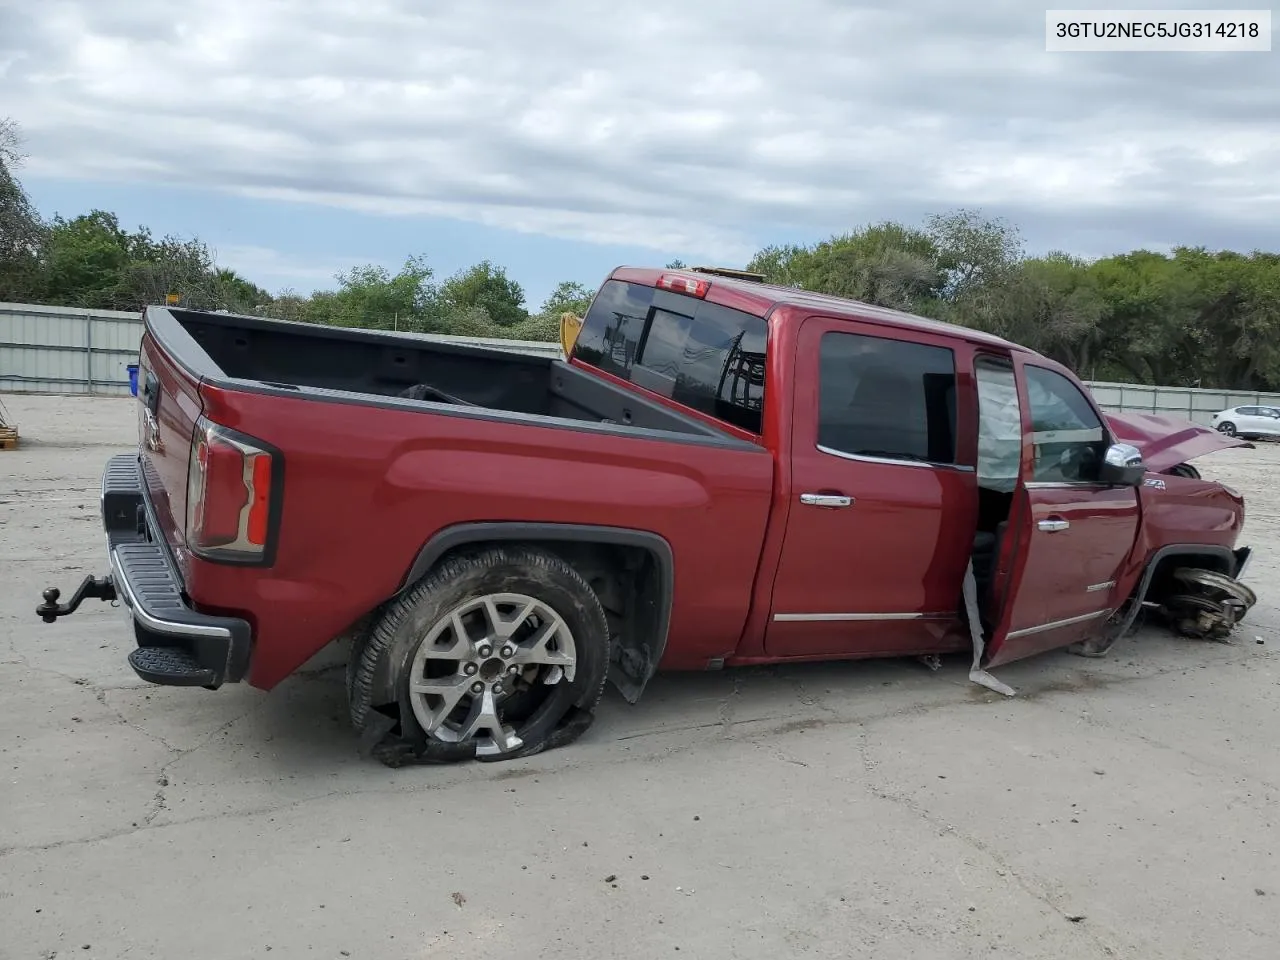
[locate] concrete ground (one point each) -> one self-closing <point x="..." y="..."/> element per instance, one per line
<point x="1116" y="808"/>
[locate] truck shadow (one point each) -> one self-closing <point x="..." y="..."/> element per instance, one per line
<point x="303" y="724"/>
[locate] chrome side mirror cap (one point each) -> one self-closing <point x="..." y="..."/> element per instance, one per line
<point x="1122" y="466"/>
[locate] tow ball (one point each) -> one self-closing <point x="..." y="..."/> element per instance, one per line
<point x="91" y="587"/>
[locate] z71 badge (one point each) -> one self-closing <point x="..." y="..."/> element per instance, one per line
<point x="1154" y="482"/>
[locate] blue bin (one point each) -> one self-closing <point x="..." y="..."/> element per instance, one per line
<point x="133" y="378"/>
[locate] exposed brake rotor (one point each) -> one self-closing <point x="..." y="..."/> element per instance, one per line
<point x="1211" y="606"/>
<point x="1231" y="588"/>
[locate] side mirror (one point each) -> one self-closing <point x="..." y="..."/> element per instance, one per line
<point x="1122" y="466"/>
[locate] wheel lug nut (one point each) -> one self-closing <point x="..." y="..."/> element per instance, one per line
<point x="497" y="688"/>
<point x="508" y="651"/>
<point x="477" y="688"/>
<point x="471" y="669"/>
<point x="513" y="669"/>
<point x="486" y="650"/>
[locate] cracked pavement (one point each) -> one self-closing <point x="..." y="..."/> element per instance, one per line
<point x="1122" y="807"/>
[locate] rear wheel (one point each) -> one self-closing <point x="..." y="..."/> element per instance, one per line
<point x="496" y="654"/>
<point x="1228" y="428"/>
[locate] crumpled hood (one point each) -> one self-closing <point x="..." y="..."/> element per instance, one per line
<point x="1167" y="441"/>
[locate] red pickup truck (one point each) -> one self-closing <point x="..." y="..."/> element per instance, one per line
<point x="721" y="473"/>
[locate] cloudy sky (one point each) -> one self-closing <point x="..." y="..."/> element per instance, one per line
<point x="563" y="137"/>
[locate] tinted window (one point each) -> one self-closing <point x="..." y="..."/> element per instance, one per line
<point x="700" y="354"/>
<point x="1247" y="411"/>
<point x="1069" y="438"/>
<point x="886" y="398"/>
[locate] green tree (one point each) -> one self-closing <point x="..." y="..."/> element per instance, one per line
<point x="1150" y="308"/>
<point x="886" y="264"/>
<point x="781" y="265"/>
<point x="1233" y="336"/>
<point x="22" y="233"/>
<point x="979" y="259"/>
<point x="1053" y="304"/>
<point x="233" y="292"/>
<point x="371" y="296"/>
<point x="544" y="327"/>
<point x="171" y="265"/>
<point x="488" y="287"/>
<point x="568" y="297"/>
<point x="86" y="262"/>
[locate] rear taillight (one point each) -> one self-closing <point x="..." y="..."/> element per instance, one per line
<point x="230" y="482"/>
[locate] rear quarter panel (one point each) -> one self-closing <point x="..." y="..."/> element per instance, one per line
<point x="366" y="486"/>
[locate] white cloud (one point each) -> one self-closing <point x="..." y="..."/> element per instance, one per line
<point x="658" y="123"/>
<point x="276" y="271"/>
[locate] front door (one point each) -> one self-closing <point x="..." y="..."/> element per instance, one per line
<point x="1072" y="534"/>
<point x="1258" y="421"/>
<point x="881" y="518"/>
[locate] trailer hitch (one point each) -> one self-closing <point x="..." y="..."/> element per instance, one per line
<point x="98" y="588"/>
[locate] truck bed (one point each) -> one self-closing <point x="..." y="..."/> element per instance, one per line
<point x="407" y="367"/>
<point x="371" y="479"/>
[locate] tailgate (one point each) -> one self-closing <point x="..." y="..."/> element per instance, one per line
<point x="169" y="405"/>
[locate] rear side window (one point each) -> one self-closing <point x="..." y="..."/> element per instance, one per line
<point x="699" y="354"/>
<point x="886" y="398"/>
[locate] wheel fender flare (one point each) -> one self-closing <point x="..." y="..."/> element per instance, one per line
<point x="463" y="534"/>
<point x="1228" y="557"/>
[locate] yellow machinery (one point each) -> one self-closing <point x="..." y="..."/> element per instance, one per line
<point x="570" y="326"/>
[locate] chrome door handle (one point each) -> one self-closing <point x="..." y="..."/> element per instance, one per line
<point x="825" y="500"/>
<point x="1052" y="525"/>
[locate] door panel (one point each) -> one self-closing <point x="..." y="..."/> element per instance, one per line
<point x="881" y="576"/>
<point x="1268" y="421"/>
<point x="881" y="519"/>
<point x="1073" y="543"/>
<point x="1073" y="534"/>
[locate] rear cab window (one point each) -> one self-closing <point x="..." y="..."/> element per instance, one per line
<point x="701" y="355"/>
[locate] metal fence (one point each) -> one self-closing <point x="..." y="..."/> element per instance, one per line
<point x="66" y="349"/>
<point x="72" y="350"/>
<point x="69" y="350"/>
<point x="1190" y="402"/>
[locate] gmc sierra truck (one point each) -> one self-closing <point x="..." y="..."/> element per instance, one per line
<point x="720" y="473"/>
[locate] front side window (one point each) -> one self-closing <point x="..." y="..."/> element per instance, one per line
<point x="1069" y="439"/>
<point x="702" y="355"/>
<point x="889" y="399"/>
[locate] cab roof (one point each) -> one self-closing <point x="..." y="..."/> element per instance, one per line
<point x="733" y="289"/>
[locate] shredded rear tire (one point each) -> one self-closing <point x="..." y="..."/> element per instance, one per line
<point x="498" y="653"/>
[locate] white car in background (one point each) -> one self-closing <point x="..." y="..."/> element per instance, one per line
<point x="1249" y="422"/>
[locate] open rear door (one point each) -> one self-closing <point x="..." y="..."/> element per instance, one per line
<point x="1068" y="535"/>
